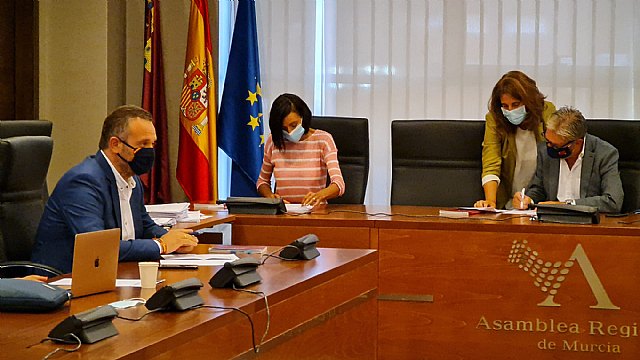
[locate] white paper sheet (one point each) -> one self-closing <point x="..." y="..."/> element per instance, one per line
<point x="483" y="209"/>
<point x="119" y="282"/>
<point x="298" y="208"/>
<point x="197" y="259"/>
<point x="520" y="212"/>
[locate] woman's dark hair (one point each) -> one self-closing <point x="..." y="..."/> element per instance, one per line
<point x="520" y="87"/>
<point x="282" y="106"/>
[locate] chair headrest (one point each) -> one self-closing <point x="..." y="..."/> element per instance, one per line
<point x="13" y="128"/>
<point x="24" y="161"/>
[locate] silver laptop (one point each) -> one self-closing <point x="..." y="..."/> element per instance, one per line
<point x="95" y="262"/>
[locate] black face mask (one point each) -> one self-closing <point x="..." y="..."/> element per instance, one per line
<point x="559" y="153"/>
<point x="143" y="159"/>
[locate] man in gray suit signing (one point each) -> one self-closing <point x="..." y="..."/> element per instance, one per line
<point x="574" y="167"/>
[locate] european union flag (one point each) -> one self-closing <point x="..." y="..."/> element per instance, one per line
<point x="240" y="125"/>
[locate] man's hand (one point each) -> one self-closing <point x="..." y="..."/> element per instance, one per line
<point x="519" y="202"/>
<point x="179" y="240"/>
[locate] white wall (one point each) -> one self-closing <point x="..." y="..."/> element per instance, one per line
<point x="91" y="61"/>
<point x="74" y="64"/>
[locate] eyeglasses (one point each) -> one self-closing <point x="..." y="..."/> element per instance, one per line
<point x="552" y="145"/>
<point x="135" y="149"/>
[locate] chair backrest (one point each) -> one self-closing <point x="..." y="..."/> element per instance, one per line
<point x="625" y="136"/>
<point x="12" y="128"/>
<point x="351" y="136"/>
<point x="24" y="162"/>
<point x="436" y="162"/>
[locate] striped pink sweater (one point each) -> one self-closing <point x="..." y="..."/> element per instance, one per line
<point x="302" y="167"/>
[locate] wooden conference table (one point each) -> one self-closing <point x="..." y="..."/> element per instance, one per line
<point x="501" y="288"/>
<point x="322" y="308"/>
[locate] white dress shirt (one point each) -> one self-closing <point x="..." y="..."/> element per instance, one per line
<point x="125" y="189"/>
<point x="569" y="179"/>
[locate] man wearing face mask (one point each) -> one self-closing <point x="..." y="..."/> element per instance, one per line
<point x="105" y="192"/>
<point x="574" y="167"/>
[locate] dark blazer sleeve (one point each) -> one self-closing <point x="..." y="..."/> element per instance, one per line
<point x="604" y="188"/>
<point x="85" y="205"/>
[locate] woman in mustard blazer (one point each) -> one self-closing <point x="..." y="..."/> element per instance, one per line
<point x="514" y="126"/>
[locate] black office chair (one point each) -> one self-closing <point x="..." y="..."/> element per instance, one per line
<point x="24" y="162"/>
<point x="13" y="128"/>
<point x="625" y="136"/>
<point x="351" y="136"/>
<point x="436" y="162"/>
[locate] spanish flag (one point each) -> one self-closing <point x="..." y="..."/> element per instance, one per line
<point x="197" y="152"/>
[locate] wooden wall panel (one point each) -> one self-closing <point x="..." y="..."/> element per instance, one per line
<point x="7" y="60"/>
<point x="18" y="60"/>
<point x="471" y="280"/>
<point x="332" y="237"/>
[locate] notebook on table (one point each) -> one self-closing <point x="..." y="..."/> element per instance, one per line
<point x="95" y="262"/>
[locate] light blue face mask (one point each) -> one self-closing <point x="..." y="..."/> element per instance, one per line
<point x="123" y="304"/>
<point x="295" y="135"/>
<point x="515" y="116"/>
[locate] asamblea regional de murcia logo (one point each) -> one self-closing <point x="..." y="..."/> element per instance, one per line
<point x="548" y="276"/>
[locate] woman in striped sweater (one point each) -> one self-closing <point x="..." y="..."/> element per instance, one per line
<point x="298" y="157"/>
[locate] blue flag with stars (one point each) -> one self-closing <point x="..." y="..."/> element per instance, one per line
<point x="240" y="125"/>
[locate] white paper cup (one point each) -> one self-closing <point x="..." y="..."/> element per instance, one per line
<point x="148" y="274"/>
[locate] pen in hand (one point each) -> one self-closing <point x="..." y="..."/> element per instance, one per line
<point x="522" y="199"/>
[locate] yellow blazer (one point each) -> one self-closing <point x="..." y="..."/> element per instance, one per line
<point x="499" y="153"/>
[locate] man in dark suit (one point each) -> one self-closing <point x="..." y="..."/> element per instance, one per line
<point x="105" y="192"/>
<point x="574" y="167"/>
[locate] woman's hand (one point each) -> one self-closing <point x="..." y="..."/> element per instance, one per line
<point x="35" y="278"/>
<point x="272" y="196"/>
<point x="485" y="204"/>
<point x="313" y="199"/>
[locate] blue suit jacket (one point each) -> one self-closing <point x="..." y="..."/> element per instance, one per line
<point x="600" y="184"/>
<point x="86" y="199"/>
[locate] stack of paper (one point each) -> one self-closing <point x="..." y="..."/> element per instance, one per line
<point x="192" y="216"/>
<point x="298" y="208"/>
<point x="169" y="214"/>
<point x="196" y="259"/>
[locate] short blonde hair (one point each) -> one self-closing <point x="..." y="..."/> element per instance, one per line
<point x="568" y="123"/>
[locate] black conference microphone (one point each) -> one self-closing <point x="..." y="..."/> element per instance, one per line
<point x="179" y="296"/>
<point x="89" y="326"/>
<point x="238" y="274"/>
<point x="303" y="248"/>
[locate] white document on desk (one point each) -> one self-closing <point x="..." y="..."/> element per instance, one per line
<point x="483" y="209"/>
<point x="298" y="208"/>
<point x="197" y="259"/>
<point x="119" y="282"/>
<point x="520" y="212"/>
